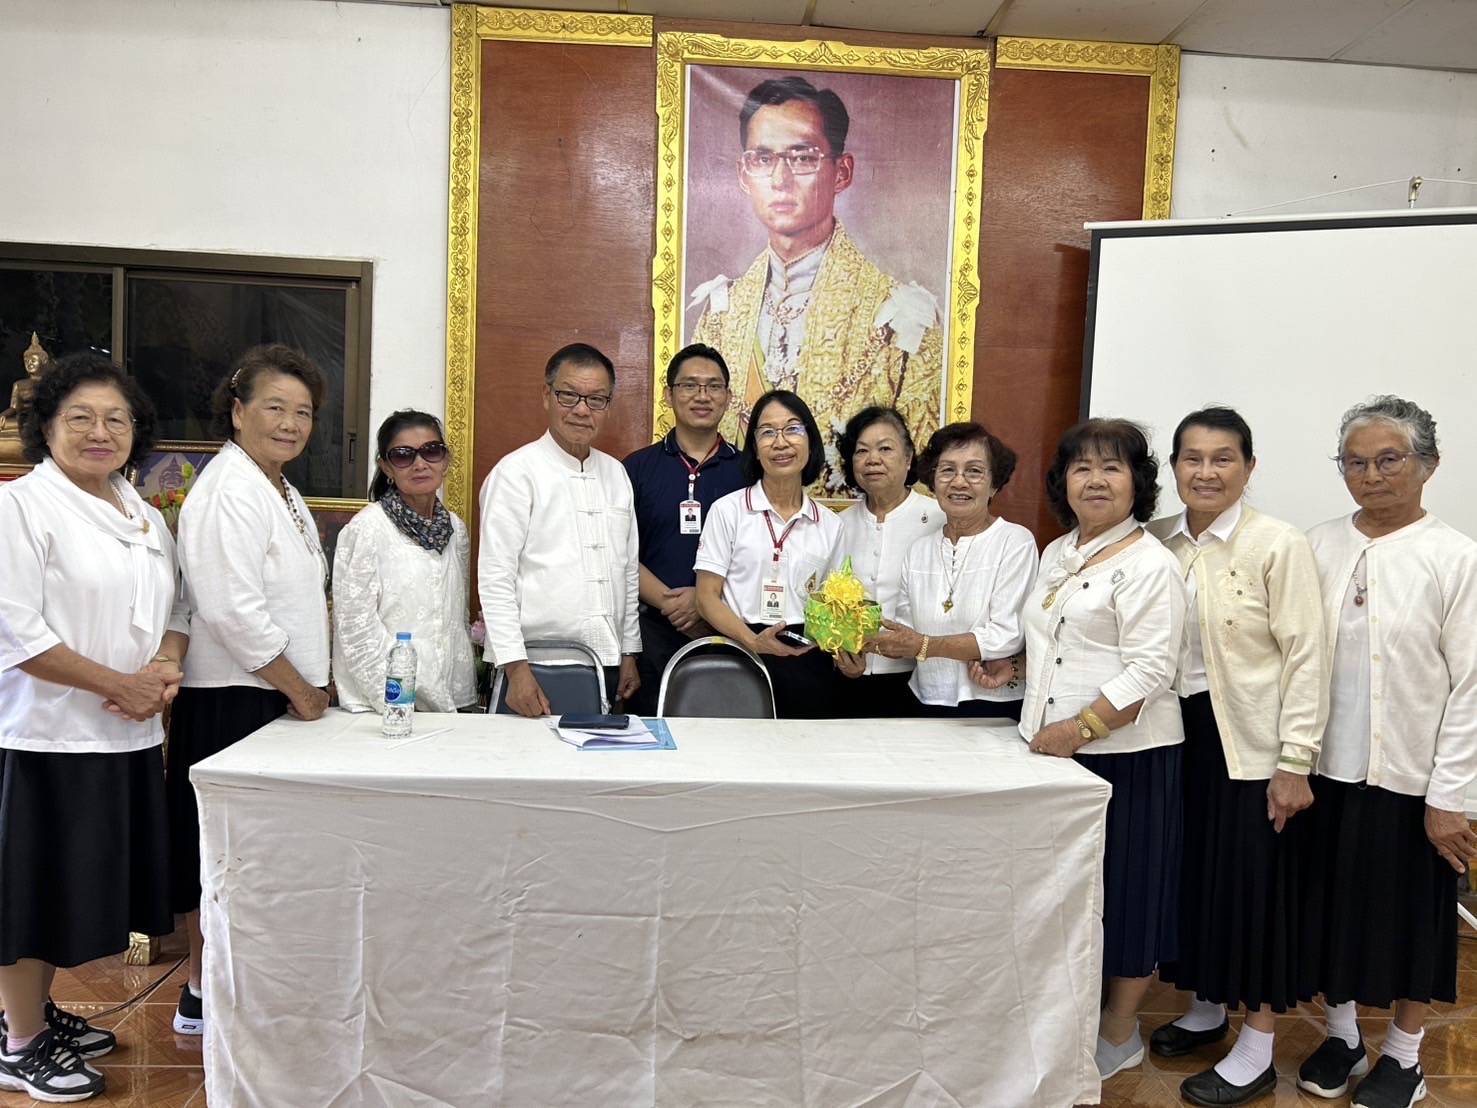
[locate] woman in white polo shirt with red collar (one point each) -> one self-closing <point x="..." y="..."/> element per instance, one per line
<point x="765" y="548"/>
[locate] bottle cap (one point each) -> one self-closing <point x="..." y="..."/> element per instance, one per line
<point x="402" y="636"/>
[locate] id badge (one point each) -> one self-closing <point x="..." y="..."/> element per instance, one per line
<point x="774" y="599"/>
<point x="690" y="515"/>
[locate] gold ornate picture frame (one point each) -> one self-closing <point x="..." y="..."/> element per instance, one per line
<point x="967" y="70"/>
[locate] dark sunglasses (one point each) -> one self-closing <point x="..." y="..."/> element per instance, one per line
<point x="403" y="457"/>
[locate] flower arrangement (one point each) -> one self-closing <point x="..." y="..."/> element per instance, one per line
<point x="839" y="616"/>
<point x="169" y="501"/>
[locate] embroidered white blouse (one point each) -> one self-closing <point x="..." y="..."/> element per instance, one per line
<point x="560" y="556"/>
<point x="384" y="582"/>
<point x="78" y="574"/>
<point x="254" y="580"/>
<point x="1116" y="628"/>
<point x="991" y="574"/>
<point x="737" y="545"/>
<point x="877" y="550"/>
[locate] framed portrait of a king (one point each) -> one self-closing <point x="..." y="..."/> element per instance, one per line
<point x="817" y="218"/>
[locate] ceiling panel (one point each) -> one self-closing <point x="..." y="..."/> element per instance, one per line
<point x="921" y="17"/>
<point x="1280" y="29"/>
<point x="1096" y="20"/>
<point x="1438" y="34"/>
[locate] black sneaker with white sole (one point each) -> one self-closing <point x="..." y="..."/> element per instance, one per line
<point x="49" y="1070"/>
<point x="189" y="1017"/>
<point x="1327" y="1070"/>
<point x="88" y="1041"/>
<point x="1391" y="1085"/>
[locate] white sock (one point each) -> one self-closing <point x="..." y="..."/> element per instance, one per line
<point x="1342" y="1022"/>
<point x="1202" y="1016"/>
<point x="194" y="992"/>
<point x="1249" y="1058"/>
<point x="1402" y="1046"/>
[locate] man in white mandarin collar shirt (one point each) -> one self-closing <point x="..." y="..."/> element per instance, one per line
<point x="559" y="550"/>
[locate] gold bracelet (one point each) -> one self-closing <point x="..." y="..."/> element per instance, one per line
<point x="166" y="658"/>
<point x="1094" y="723"/>
<point x="923" y="651"/>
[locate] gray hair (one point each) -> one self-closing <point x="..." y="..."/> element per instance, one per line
<point x="1410" y="419"/>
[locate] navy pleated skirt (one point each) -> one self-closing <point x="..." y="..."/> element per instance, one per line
<point x="1379" y="902"/>
<point x="83" y="854"/>
<point x="1141" y="863"/>
<point x="1239" y="907"/>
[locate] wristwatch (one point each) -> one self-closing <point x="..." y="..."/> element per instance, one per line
<point x="1082" y="728"/>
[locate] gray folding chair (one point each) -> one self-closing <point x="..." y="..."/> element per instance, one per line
<point x="716" y="677"/>
<point x="569" y="673"/>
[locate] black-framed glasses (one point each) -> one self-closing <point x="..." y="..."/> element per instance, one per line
<point x="82" y="420"/>
<point x="802" y="160"/>
<point x="403" y="457"/>
<point x="692" y="388"/>
<point x="1387" y="464"/>
<point x="597" y="403"/>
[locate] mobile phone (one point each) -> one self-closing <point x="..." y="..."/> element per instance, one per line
<point x="590" y="722"/>
<point x="792" y="639"/>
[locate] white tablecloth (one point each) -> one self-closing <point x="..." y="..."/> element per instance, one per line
<point x="878" y="913"/>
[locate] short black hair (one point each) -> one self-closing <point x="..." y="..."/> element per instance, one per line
<point x="578" y="354"/>
<point x="1107" y="438"/>
<point x="947" y="437"/>
<point x="696" y="350"/>
<point x="1214" y="418"/>
<point x="248" y="371"/>
<point x="749" y="457"/>
<point x="64" y="378"/>
<point x="394" y="423"/>
<point x="847" y="440"/>
<point x="835" y="123"/>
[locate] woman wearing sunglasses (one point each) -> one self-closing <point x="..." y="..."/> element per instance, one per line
<point x="402" y="565"/>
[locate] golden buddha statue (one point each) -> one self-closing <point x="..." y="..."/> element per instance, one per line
<point x="37" y="361"/>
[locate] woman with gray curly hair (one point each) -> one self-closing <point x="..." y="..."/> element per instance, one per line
<point x="1388" y="832"/>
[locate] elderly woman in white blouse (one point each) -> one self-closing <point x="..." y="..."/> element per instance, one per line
<point x="1105" y="623"/>
<point x="1254" y="695"/>
<point x="256" y="577"/>
<point x="960" y="591"/>
<point x="1387" y="834"/>
<point x="877" y="458"/>
<point x="92" y="633"/>
<point x="402" y="564"/>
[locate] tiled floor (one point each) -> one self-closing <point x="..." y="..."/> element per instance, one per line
<point x="153" y="1067"/>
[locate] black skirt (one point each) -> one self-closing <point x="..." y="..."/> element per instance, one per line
<point x="874" y="696"/>
<point x="83" y="853"/>
<point x="204" y="722"/>
<point x="804" y="684"/>
<point x="1378" y="900"/>
<point x="1141" y="862"/>
<point x="972" y="709"/>
<point x="1239" y="909"/>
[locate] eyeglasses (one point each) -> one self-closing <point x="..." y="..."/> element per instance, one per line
<point x="795" y="432"/>
<point x="975" y="475"/>
<point x="403" y="457"/>
<point x="802" y="160"/>
<point x="692" y="388"/>
<point x="82" y="420"/>
<point x="1387" y="464"/>
<point x="596" y="403"/>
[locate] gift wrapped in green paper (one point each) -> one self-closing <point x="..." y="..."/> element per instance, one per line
<point x="839" y="616"/>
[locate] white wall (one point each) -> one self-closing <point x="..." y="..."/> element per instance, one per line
<point x="290" y="127"/>
<point x="1254" y="132"/>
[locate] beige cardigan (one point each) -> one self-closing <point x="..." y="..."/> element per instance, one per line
<point x="1262" y="630"/>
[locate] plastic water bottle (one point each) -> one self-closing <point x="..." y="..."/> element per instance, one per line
<point x="400" y="687"/>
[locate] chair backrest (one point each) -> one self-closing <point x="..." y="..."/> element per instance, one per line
<point x="569" y="673"/>
<point x="716" y="677"/>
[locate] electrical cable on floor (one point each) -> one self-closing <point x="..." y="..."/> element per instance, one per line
<point x="143" y="994"/>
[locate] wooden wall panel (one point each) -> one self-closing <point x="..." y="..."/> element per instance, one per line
<point x="567" y="210"/>
<point x="1061" y="149"/>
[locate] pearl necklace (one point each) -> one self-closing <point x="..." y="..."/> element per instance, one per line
<point x="118" y="499"/>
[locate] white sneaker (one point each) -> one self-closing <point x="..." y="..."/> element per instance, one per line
<point x="1112" y="1059"/>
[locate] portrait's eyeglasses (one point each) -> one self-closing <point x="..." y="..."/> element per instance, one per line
<point x="403" y="457"/>
<point x="596" y="403"/>
<point x="975" y="475"/>
<point x="82" y="420"/>
<point x="692" y="388"/>
<point x="802" y="160"/>
<point x="1387" y="464"/>
<point x="795" y="432"/>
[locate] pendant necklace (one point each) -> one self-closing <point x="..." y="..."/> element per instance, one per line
<point x="1361" y="590"/>
<point x="956" y="565"/>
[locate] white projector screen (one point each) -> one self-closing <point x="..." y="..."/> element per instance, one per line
<point x="1290" y="321"/>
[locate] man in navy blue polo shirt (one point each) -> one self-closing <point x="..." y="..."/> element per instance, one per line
<point x="676" y="481"/>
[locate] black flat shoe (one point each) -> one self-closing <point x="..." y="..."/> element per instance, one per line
<point x="1211" y="1090"/>
<point x="1171" y="1041"/>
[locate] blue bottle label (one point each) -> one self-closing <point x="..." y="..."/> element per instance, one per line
<point x="398" y="692"/>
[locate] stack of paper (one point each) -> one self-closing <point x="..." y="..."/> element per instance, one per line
<point x="638" y="734"/>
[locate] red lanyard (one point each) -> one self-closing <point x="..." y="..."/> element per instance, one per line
<point x="692" y="470"/>
<point x="779" y="541"/>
